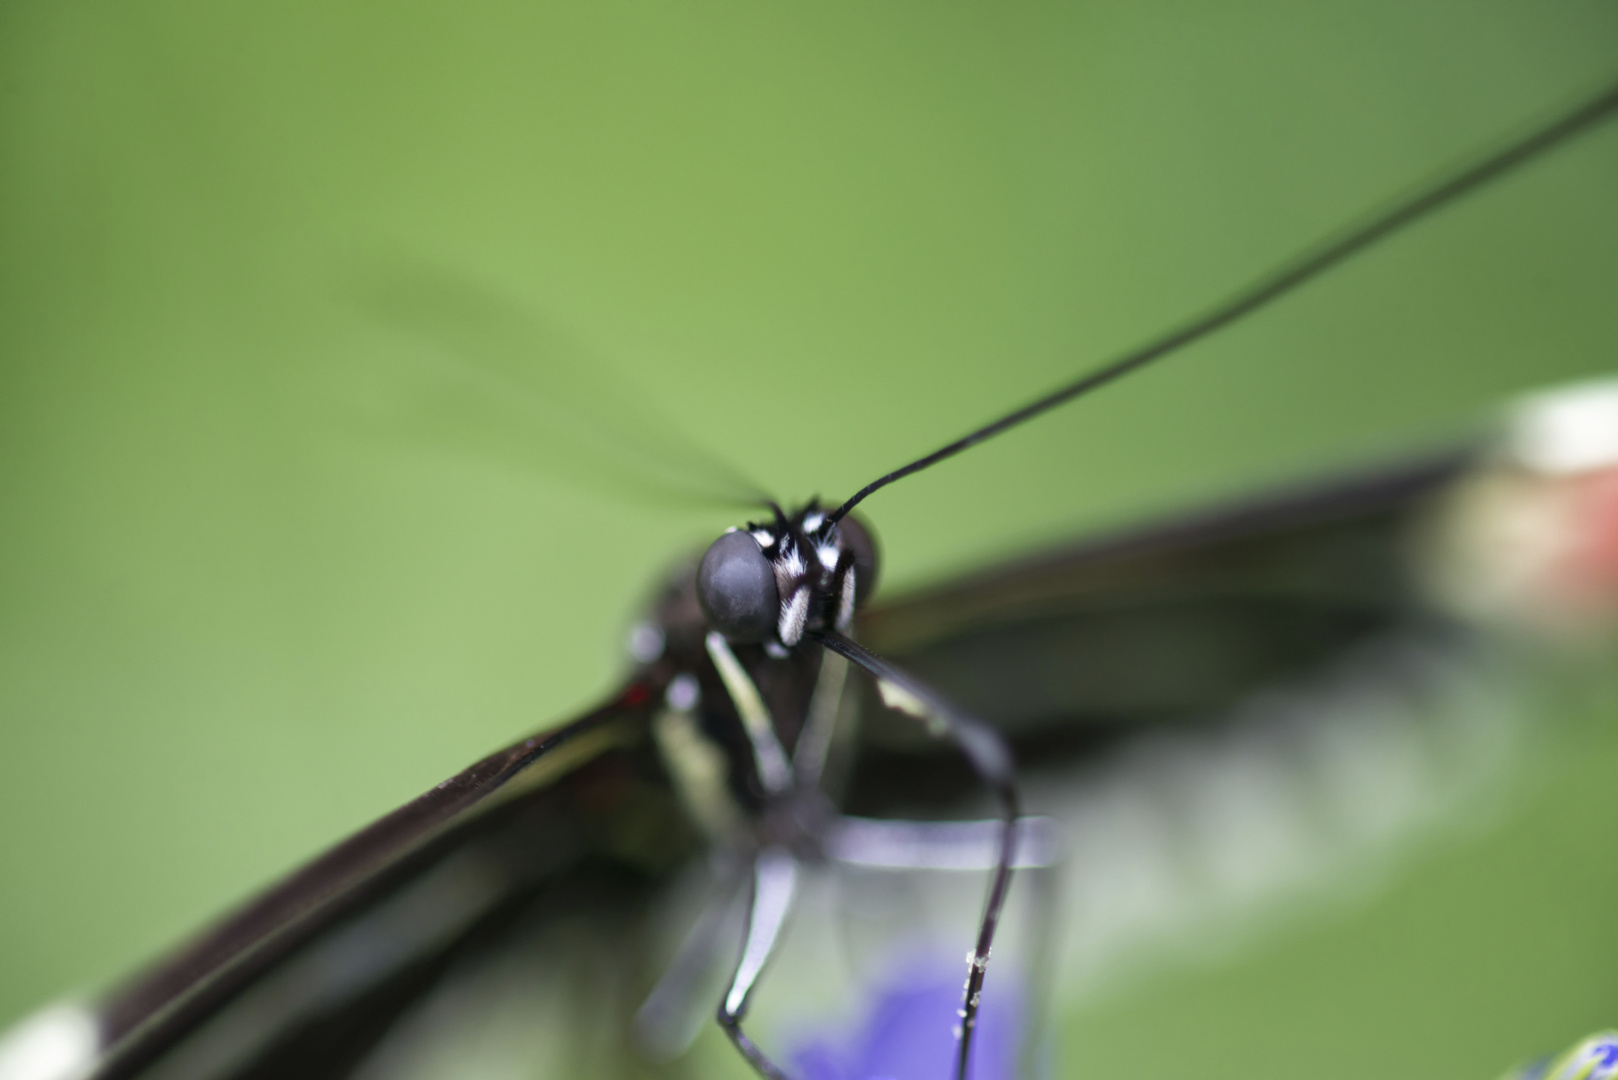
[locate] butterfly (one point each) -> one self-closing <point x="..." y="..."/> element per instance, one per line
<point x="899" y="652"/>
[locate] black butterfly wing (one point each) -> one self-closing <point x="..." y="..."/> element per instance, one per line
<point x="306" y="978"/>
<point x="1072" y="648"/>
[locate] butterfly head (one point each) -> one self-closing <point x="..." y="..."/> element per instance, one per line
<point x="773" y="582"/>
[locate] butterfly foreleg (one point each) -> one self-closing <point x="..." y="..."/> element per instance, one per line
<point x="775" y="887"/>
<point x="665" y="1024"/>
<point x="991" y="759"/>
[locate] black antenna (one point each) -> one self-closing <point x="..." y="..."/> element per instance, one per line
<point x="1305" y="267"/>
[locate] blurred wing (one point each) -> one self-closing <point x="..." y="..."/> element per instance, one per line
<point x="1182" y="618"/>
<point x="307" y="978"/>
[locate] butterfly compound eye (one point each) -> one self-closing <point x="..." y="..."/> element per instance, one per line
<point x="859" y="539"/>
<point x="736" y="587"/>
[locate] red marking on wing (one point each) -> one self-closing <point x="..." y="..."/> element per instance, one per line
<point x="1592" y="558"/>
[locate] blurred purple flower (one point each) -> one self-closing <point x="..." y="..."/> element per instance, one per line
<point x="909" y="1034"/>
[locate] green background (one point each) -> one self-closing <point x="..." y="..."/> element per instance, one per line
<point x="254" y="593"/>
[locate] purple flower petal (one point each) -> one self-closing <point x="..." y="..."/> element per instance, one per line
<point x="908" y="1033"/>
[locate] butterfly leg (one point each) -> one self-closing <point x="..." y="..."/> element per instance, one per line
<point x="775" y="886"/>
<point x="664" y="1025"/>
<point x="774" y="771"/>
<point x="775" y="871"/>
<point x="814" y="746"/>
<point x="867" y="844"/>
<point x="990" y="758"/>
